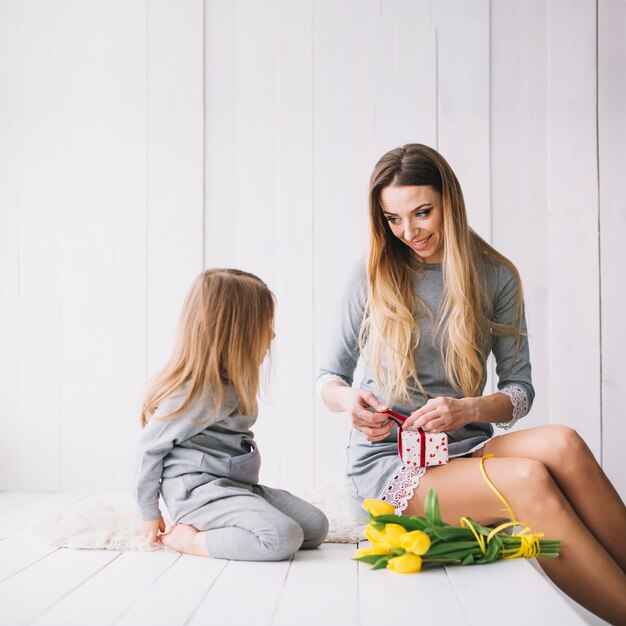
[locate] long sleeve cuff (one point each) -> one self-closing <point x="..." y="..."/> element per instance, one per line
<point x="324" y="378"/>
<point x="520" y="402"/>
<point x="149" y="512"/>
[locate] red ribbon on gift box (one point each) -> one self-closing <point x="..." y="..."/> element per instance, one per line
<point x="399" y="419"/>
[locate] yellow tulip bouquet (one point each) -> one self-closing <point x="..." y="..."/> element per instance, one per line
<point x="406" y="544"/>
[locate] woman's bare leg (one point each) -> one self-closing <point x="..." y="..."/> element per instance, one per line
<point x="584" y="570"/>
<point x="578" y="475"/>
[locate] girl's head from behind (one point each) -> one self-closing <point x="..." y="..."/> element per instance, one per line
<point x="224" y="332"/>
<point x="226" y="319"/>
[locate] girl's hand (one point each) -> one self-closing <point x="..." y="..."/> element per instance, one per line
<point x="442" y="414"/>
<point x="374" y="425"/>
<point x="150" y="529"/>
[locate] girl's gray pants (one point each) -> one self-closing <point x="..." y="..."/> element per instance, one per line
<point x="244" y="522"/>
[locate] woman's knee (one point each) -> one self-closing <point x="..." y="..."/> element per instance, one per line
<point x="531" y="473"/>
<point x="565" y="447"/>
<point x="533" y="488"/>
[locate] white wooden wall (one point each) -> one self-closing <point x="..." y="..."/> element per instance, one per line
<point x="141" y="141"/>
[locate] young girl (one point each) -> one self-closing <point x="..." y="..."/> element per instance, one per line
<point x="430" y="304"/>
<point x="197" y="448"/>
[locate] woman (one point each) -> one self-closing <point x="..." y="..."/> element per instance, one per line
<point x="433" y="301"/>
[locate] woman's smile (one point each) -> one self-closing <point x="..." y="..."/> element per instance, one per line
<point x="421" y="243"/>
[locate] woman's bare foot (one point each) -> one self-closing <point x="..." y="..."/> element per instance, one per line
<point x="185" y="538"/>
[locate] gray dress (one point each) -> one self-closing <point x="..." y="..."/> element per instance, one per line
<point x="374" y="468"/>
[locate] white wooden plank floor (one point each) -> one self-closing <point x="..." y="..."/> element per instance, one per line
<point x="45" y="585"/>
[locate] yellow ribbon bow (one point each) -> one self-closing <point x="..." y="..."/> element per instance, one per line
<point x="529" y="541"/>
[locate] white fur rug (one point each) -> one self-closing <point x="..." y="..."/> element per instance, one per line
<point x="109" y="522"/>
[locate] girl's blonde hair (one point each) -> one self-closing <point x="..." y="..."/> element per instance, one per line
<point x="224" y="328"/>
<point x="390" y="332"/>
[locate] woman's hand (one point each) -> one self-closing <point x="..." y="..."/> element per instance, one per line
<point x="374" y="425"/>
<point x="338" y="397"/>
<point x="442" y="414"/>
<point x="150" y="529"/>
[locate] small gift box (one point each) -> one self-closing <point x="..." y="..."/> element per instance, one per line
<point x="418" y="448"/>
<point x="422" y="449"/>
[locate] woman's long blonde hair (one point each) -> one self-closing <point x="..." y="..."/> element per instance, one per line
<point x="390" y="332"/>
<point x="224" y="328"/>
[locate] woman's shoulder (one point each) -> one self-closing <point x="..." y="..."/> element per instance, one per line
<point x="497" y="272"/>
<point x="357" y="272"/>
<point x="501" y="282"/>
<point x="355" y="280"/>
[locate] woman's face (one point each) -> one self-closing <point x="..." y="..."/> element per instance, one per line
<point x="415" y="217"/>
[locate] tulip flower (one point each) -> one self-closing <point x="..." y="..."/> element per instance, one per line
<point x="378" y="507"/>
<point x="392" y="535"/>
<point x="373" y="551"/>
<point x="374" y="535"/>
<point x="416" y="542"/>
<point x="405" y="564"/>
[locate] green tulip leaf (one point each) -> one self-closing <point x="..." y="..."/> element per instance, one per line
<point x="408" y="522"/>
<point x="451" y="533"/>
<point x="381" y="563"/>
<point x="452" y="546"/>
<point x="431" y="509"/>
<point x="369" y="558"/>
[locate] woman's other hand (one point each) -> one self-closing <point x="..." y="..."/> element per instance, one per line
<point x="374" y="423"/>
<point x="442" y="414"/>
<point x="150" y="530"/>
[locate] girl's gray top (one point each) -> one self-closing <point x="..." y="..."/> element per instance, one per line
<point x="218" y="446"/>
<point x="371" y="463"/>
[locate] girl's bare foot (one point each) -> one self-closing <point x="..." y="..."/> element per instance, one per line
<point x="185" y="538"/>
